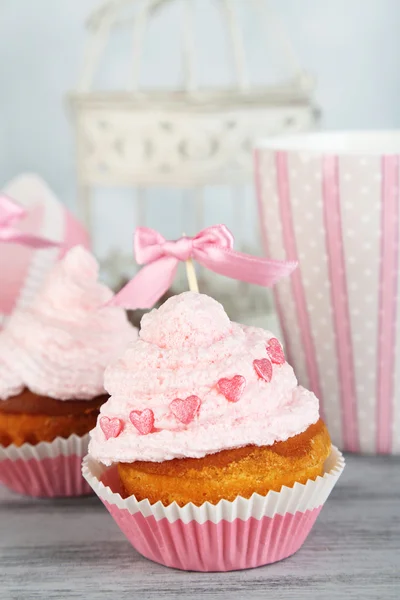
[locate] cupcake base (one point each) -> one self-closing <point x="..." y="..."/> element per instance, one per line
<point x="47" y="469"/>
<point x="228" y="536"/>
<point x="29" y="418"/>
<point x="230" y="473"/>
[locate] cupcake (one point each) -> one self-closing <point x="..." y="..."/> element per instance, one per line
<point x="207" y="436"/>
<point x="52" y="361"/>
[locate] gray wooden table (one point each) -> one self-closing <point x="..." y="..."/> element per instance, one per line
<point x="72" y="549"/>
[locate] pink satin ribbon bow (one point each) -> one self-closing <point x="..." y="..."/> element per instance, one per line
<point x="11" y="213"/>
<point x="212" y="248"/>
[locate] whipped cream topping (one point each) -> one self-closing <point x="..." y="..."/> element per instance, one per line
<point x="10" y="382"/>
<point x="60" y="346"/>
<point x="184" y="349"/>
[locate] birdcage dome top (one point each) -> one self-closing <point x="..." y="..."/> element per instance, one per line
<point x="169" y="94"/>
<point x="208" y="54"/>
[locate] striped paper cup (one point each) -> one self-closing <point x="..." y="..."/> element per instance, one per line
<point x="24" y="269"/>
<point x="331" y="201"/>
<point x="228" y="536"/>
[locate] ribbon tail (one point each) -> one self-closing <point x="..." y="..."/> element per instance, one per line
<point x="148" y="286"/>
<point x="27" y="239"/>
<point x="237" y="265"/>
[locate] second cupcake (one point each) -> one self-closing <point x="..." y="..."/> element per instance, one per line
<point x="52" y="360"/>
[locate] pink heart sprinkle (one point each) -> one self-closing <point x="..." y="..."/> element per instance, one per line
<point x="185" y="410"/>
<point x="111" y="427"/>
<point x="263" y="367"/>
<point x="275" y="351"/>
<point x="143" y="420"/>
<point x="233" y="388"/>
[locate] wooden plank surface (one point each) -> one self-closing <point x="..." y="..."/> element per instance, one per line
<point x="72" y="549"/>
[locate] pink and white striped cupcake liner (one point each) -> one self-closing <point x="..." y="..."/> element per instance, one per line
<point x="228" y="536"/>
<point x="331" y="201"/>
<point x="46" y="470"/>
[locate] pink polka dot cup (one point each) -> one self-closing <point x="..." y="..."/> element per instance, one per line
<point x="331" y="201"/>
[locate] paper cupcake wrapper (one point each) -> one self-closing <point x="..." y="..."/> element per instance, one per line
<point x="228" y="536"/>
<point x="339" y="216"/>
<point x="48" y="469"/>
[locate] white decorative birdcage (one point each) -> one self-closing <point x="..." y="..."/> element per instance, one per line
<point x="189" y="137"/>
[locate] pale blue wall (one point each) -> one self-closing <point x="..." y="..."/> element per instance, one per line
<point x="352" y="46"/>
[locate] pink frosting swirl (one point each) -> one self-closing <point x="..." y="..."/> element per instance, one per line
<point x="11" y="383"/>
<point x="184" y="349"/>
<point x="61" y="345"/>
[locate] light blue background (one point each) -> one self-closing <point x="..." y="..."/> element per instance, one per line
<point x="351" y="46"/>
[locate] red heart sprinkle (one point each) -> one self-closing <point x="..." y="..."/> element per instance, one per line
<point x="143" y="420"/>
<point x="185" y="410"/>
<point x="111" y="427"/>
<point x="263" y="367"/>
<point x="275" y="351"/>
<point x="233" y="388"/>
